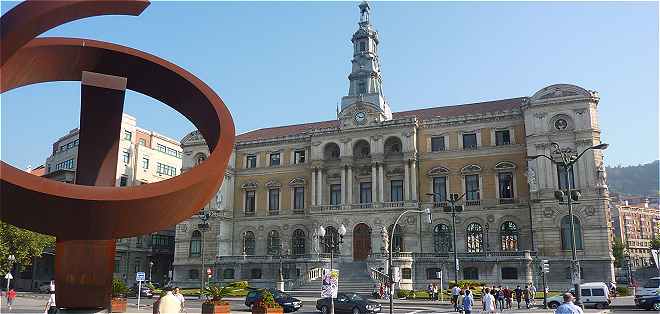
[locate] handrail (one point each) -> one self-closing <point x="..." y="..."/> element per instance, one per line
<point x="308" y="276"/>
<point x="378" y="275"/>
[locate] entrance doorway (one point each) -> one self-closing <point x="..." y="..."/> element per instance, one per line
<point x="361" y="242"/>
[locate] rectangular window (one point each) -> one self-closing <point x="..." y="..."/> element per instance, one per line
<point x="69" y="145"/>
<point x="126" y="156"/>
<point x="362" y="87"/>
<point x="565" y="177"/>
<point x="249" y="202"/>
<point x="76" y="142"/>
<point x="509" y="273"/>
<point x="363" y="46"/>
<point x="67" y="164"/>
<point x="299" y="157"/>
<point x="396" y="190"/>
<point x="142" y="142"/>
<point x="505" y="180"/>
<point x="165" y="169"/>
<point x="472" y="187"/>
<point x="117" y="266"/>
<point x="335" y="194"/>
<point x="470" y="141"/>
<point x="438" y="143"/>
<point x="586" y="292"/>
<point x="598" y="292"/>
<point x="128" y="135"/>
<point x="299" y="198"/>
<point x="161" y="148"/>
<point x="251" y="161"/>
<point x="273" y="199"/>
<point x="439" y="189"/>
<point x="502" y="137"/>
<point x="365" y="192"/>
<point x="145" y="163"/>
<point x="274" y="159"/>
<point x="123" y="181"/>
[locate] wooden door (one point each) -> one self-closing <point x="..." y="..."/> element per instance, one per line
<point x="361" y="242"/>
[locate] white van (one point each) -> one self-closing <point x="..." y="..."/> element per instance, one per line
<point x="594" y="294"/>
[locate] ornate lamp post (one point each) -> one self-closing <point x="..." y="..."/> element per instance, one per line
<point x="151" y="264"/>
<point x="566" y="161"/>
<point x="203" y="227"/>
<point x="332" y="242"/>
<point x="389" y="256"/>
<point x="452" y="208"/>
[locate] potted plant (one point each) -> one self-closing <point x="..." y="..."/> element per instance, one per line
<point x="214" y="294"/>
<point x="267" y="304"/>
<point x="118" y="302"/>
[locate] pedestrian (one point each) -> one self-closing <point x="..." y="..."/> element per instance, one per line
<point x="488" y="301"/>
<point x="532" y="293"/>
<point x="435" y="291"/>
<point x="507" y="297"/>
<point x="455" y="291"/>
<point x="518" y="295"/>
<point x="499" y="297"/>
<point x="526" y="296"/>
<point x="50" y="307"/>
<point x="178" y="295"/>
<point x="429" y="290"/>
<point x="381" y="290"/>
<point x="169" y="304"/>
<point x="459" y="301"/>
<point x="11" y="296"/>
<point x="568" y="307"/>
<point x="468" y="302"/>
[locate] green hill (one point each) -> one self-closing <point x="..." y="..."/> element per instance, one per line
<point x="638" y="180"/>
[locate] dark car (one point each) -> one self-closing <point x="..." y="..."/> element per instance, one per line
<point x="648" y="302"/>
<point x="145" y="292"/>
<point x="288" y="303"/>
<point x="348" y="303"/>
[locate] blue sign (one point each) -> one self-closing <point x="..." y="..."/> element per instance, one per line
<point x="139" y="276"/>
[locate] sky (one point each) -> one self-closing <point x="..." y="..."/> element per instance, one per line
<point x="279" y="63"/>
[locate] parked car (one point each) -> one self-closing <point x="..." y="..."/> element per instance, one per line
<point x="594" y="294"/>
<point x="648" y="295"/>
<point x="288" y="303"/>
<point x="44" y="288"/>
<point x="348" y="302"/>
<point x="145" y="292"/>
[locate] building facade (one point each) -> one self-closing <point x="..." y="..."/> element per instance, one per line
<point x="144" y="157"/>
<point x="636" y="226"/>
<point x="370" y="164"/>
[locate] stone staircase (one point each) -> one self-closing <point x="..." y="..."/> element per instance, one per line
<point x="353" y="277"/>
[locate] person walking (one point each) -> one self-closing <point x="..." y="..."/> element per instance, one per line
<point x="499" y="297"/>
<point x="11" y="296"/>
<point x="532" y="293"/>
<point x="435" y="291"/>
<point x="526" y="296"/>
<point x="468" y="302"/>
<point x="459" y="301"/>
<point x="381" y="291"/>
<point x="169" y="304"/>
<point x="518" y="295"/>
<point x="50" y="307"/>
<point x="508" y="296"/>
<point x="568" y="307"/>
<point x="178" y="295"/>
<point x="429" y="290"/>
<point x="488" y="301"/>
<point x="455" y="291"/>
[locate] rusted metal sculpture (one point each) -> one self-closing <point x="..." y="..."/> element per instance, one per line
<point x="88" y="216"/>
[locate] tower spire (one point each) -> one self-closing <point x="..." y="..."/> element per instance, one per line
<point x="365" y="82"/>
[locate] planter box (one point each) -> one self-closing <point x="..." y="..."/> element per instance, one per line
<point x="210" y="308"/>
<point x="264" y="310"/>
<point x="118" y="305"/>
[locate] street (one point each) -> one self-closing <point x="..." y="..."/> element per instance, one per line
<point x="34" y="303"/>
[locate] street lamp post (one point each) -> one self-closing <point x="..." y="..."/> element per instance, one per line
<point x="203" y="227"/>
<point x="566" y="161"/>
<point x="11" y="259"/>
<point x="151" y="264"/>
<point x="332" y="243"/>
<point x="453" y="209"/>
<point x="389" y="256"/>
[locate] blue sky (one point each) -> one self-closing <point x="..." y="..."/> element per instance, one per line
<point x="279" y="63"/>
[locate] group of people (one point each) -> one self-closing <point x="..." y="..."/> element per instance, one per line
<point x="382" y="291"/>
<point x="492" y="298"/>
<point x="172" y="302"/>
<point x="433" y="290"/>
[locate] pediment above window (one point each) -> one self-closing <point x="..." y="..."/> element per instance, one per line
<point x="471" y="169"/>
<point x="437" y="171"/>
<point x="273" y="184"/>
<point x="505" y="165"/>
<point x="297" y="181"/>
<point x="249" y="186"/>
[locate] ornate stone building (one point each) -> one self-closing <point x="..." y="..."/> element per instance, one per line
<point x="370" y="164"/>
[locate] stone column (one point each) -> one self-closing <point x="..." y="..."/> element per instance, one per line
<point x="313" y="190"/>
<point x="373" y="183"/>
<point x="319" y="200"/>
<point x="343" y="185"/>
<point x="349" y="186"/>
<point x="528" y="267"/>
<point x="413" y="179"/>
<point x="406" y="182"/>
<point x="381" y="183"/>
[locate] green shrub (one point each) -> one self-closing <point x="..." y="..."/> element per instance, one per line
<point x="119" y="288"/>
<point x="267" y="300"/>
<point x="623" y="291"/>
<point x="402" y="293"/>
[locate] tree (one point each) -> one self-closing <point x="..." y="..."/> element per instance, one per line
<point x="655" y="243"/>
<point x="23" y="244"/>
<point x="617" y="251"/>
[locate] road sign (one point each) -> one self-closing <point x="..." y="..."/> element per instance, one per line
<point x="139" y="276"/>
<point x="8" y="276"/>
<point x="545" y="266"/>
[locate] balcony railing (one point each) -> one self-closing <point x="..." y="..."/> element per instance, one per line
<point x="394" y="204"/>
<point x="506" y="201"/>
<point x="274" y="258"/>
<point x="362" y="205"/>
<point x="450" y="255"/>
<point x="472" y="202"/>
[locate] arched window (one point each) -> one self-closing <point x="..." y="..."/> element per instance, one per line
<point x="393" y="147"/>
<point x="361" y="149"/>
<point x="331" y="151"/>
<point x="471" y="273"/>
<point x="274" y="242"/>
<point x="199" y="158"/>
<point x="248" y="243"/>
<point x="442" y="238"/>
<point x="298" y="242"/>
<point x="566" y="241"/>
<point x="397" y="240"/>
<point x="196" y="244"/>
<point x="330" y="233"/>
<point x="509" y="236"/>
<point x="475" y="238"/>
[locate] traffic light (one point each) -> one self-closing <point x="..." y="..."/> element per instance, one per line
<point x="545" y="266"/>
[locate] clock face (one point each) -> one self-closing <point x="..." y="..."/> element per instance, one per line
<point x="561" y="124"/>
<point x="360" y="116"/>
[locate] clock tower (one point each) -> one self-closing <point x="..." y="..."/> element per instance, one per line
<point x="365" y="103"/>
